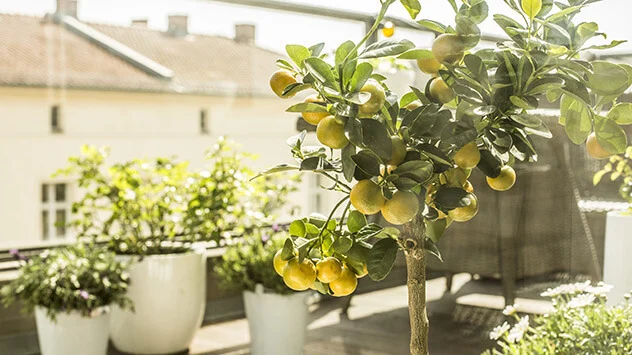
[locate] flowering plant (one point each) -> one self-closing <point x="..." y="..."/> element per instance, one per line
<point x="75" y="278"/>
<point x="580" y="323"/>
<point x="247" y="263"/>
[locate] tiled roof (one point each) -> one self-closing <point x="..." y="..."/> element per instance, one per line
<point x="39" y="53"/>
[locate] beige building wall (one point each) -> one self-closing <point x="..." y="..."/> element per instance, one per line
<point x="133" y="125"/>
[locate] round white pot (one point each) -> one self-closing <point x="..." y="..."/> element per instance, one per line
<point x="169" y="295"/>
<point x="617" y="261"/>
<point x="277" y="323"/>
<point x="72" y="333"/>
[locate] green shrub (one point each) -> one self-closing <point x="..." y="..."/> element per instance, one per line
<point x="580" y="324"/>
<point x="74" y="278"/>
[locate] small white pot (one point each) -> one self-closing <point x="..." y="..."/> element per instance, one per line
<point x="617" y="261"/>
<point x="72" y="333"/>
<point x="169" y="295"/>
<point x="277" y="323"/>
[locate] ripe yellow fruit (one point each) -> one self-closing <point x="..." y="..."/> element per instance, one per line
<point x="328" y="270"/>
<point x="468" y="156"/>
<point x="279" y="264"/>
<point x="468" y="187"/>
<point x="402" y="208"/>
<point x="314" y="117"/>
<point x="441" y="91"/>
<point x="448" y="48"/>
<point x="504" y="181"/>
<point x="281" y="79"/>
<point x="389" y="29"/>
<point x="345" y="284"/>
<point x="595" y="149"/>
<point x="331" y="133"/>
<point x="398" y="151"/>
<point x="375" y="102"/>
<point x="464" y="214"/>
<point x="429" y="65"/>
<point x="366" y="197"/>
<point x="299" y="276"/>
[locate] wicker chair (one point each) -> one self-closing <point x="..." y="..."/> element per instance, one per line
<point x="534" y="229"/>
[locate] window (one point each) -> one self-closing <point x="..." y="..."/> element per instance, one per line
<point x="204" y="121"/>
<point x="55" y="210"/>
<point x="55" y="119"/>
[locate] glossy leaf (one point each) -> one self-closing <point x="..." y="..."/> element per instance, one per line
<point x="387" y="48"/>
<point x="621" y="113"/>
<point x="381" y="258"/>
<point x="297" y="53"/>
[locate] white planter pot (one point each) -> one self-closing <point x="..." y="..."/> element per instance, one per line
<point x="169" y="295"/>
<point x="72" y="333"/>
<point x="277" y="323"/>
<point x="617" y="261"/>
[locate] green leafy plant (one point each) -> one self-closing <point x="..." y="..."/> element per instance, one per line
<point x="160" y="206"/>
<point x="619" y="168"/>
<point x="247" y="262"/>
<point x="76" y="278"/>
<point x="580" y="323"/>
<point x="410" y="157"/>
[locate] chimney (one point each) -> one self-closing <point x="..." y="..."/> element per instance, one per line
<point x="178" y="25"/>
<point x="139" y="22"/>
<point x="245" y="34"/>
<point x="66" y="8"/>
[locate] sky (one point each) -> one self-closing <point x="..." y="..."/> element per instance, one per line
<point x="276" y="28"/>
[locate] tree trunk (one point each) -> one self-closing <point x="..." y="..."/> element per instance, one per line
<point x="414" y="234"/>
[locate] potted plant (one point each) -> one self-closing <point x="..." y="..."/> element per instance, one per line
<point x="618" y="225"/>
<point x="277" y="315"/>
<point x="580" y="323"/>
<point x="153" y="212"/>
<point x="71" y="290"/>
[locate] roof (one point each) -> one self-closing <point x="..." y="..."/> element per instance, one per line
<point x="39" y="53"/>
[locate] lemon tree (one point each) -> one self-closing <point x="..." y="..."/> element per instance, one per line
<point x="410" y="157"/>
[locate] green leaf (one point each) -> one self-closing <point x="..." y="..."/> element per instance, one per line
<point x="297" y="229"/>
<point x="489" y="164"/>
<point x="360" y="76"/>
<point x="610" y="135"/>
<point x="316" y="49"/>
<point x="356" y="221"/>
<point x="306" y="107"/>
<point x="342" y="244"/>
<point x="416" y="53"/>
<point x="348" y="165"/>
<point x="418" y="170"/>
<point x="476" y="67"/>
<point x="386" y="48"/>
<point x="287" y="252"/>
<point x="276" y="169"/>
<point x="576" y="118"/>
<point x="477" y="11"/>
<point x="367" y="162"/>
<point x="468" y="31"/>
<point x="412" y="6"/>
<point x="295" y="88"/>
<point x="381" y="258"/>
<point x="468" y="94"/>
<point x="522" y="103"/>
<point x="531" y="7"/>
<point x="607" y="78"/>
<point x="567" y="11"/>
<point x="321" y="71"/>
<point x="432" y="25"/>
<point x="343" y="51"/>
<point x="432" y="248"/>
<point x="621" y="113"/>
<point x="451" y="197"/>
<point x="612" y="44"/>
<point x="297" y="53"/>
<point x="376" y="138"/>
<point x="435" y="229"/>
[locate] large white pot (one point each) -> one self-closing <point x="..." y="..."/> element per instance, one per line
<point x="169" y="295"/>
<point x="277" y="323"/>
<point x="617" y="269"/>
<point x="72" y="333"/>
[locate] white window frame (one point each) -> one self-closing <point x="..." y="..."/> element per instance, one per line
<point x="52" y="206"/>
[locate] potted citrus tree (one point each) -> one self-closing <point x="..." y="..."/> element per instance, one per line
<point x="153" y="212"/>
<point x="277" y="315"/>
<point x="71" y="290"/>
<point x="618" y="224"/>
<point x="409" y="157"/>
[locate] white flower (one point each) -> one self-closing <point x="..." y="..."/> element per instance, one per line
<point x="601" y="290"/>
<point x="582" y="300"/>
<point x="499" y="331"/>
<point x="517" y="332"/>
<point x="510" y="310"/>
<point x="568" y="289"/>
